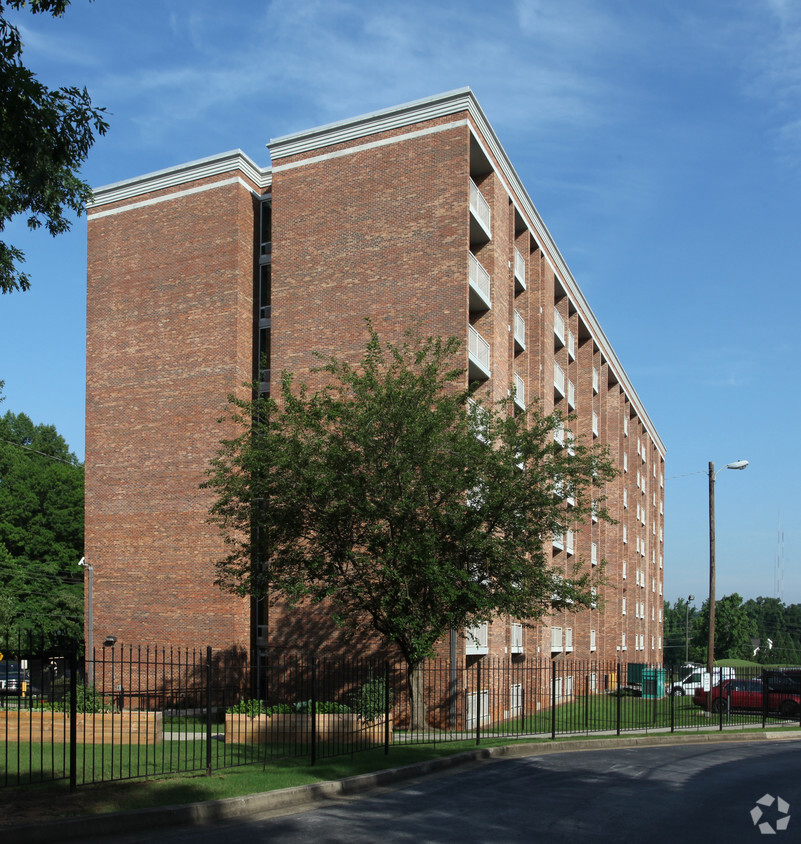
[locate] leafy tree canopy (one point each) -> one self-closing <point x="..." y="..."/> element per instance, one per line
<point x="41" y="532"/>
<point x="46" y="135"/>
<point x="734" y="629"/>
<point x="399" y="502"/>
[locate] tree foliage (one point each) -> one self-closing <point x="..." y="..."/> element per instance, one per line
<point x="46" y="135"/>
<point x="408" y="509"/>
<point x="41" y="532"/>
<point x="734" y="629"/>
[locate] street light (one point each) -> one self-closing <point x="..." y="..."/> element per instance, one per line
<point x="89" y="658"/>
<point x="687" y="630"/>
<point x="710" y="657"/>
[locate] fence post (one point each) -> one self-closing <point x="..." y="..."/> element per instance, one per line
<point x="386" y="707"/>
<point x="208" y="709"/>
<point x="586" y="700"/>
<point x="672" y="703"/>
<point x="73" y="663"/>
<point x="478" y="701"/>
<point x="553" y="698"/>
<point x="313" y="709"/>
<point x="619" y="697"/>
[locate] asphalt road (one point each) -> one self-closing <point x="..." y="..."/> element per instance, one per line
<point x="674" y="793"/>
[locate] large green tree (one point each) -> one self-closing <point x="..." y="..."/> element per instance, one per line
<point x="45" y="135"/>
<point x="41" y="533"/>
<point x="734" y="629"/>
<point x="404" y="506"/>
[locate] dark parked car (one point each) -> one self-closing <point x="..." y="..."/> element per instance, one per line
<point x="782" y="694"/>
<point x="14" y="680"/>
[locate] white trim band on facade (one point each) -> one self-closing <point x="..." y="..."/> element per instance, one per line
<point x="420" y="133"/>
<point x="203" y="168"/>
<point x="158" y="199"/>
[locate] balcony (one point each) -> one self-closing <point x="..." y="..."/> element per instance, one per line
<point x="516" y="644"/>
<point x="594" y="424"/>
<point x="571" y="394"/>
<point x="520" y="272"/>
<point x="479" y="417"/>
<point x="480" y="216"/>
<point x="556" y="640"/>
<point x="559" y="541"/>
<point x="520" y="392"/>
<point x="568" y="639"/>
<point x="596" y="381"/>
<point x="559" y="433"/>
<point x="477" y="639"/>
<point x="571" y="345"/>
<point x="478" y="356"/>
<point x="519" y="332"/>
<point x="479" y="286"/>
<point x="558" y="381"/>
<point x="558" y="329"/>
<point x="571" y="542"/>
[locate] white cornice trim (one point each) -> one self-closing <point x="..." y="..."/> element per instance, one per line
<point x="369" y="124"/>
<point x="327" y="156"/>
<point x="156" y="200"/>
<point x="215" y="165"/>
<point x="442" y="105"/>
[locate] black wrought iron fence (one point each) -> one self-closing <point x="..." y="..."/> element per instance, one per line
<point x="125" y="712"/>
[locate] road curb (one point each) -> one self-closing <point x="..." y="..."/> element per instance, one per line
<point x="309" y="796"/>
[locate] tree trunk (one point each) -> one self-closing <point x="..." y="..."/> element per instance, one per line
<point x="417" y="700"/>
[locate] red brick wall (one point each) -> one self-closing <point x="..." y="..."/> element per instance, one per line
<point x="169" y="335"/>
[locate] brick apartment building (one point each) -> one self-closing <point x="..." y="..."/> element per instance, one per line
<point x="412" y="213"/>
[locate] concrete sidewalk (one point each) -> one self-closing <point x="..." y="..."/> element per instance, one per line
<point x="304" y="797"/>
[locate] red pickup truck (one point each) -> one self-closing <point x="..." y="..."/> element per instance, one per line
<point x="783" y="695"/>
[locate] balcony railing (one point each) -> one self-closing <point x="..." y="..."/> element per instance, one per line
<point x="556" y="639"/>
<point x="480" y="286"/>
<point x="479" y="416"/>
<point x="477" y="638"/>
<point x="480" y="209"/>
<point x="558" y="380"/>
<point x="479" y="354"/>
<point x="519" y="332"/>
<point x="571" y="394"/>
<point x="596" y="380"/>
<point x="559" y="541"/>
<point x="516" y="644"/>
<point x="571" y="345"/>
<point x="520" y="391"/>
<point x="571" y="542"/>
<point x="520" y="271"/>
<point x="559" y="327"/>
<point x="559" y="433"/>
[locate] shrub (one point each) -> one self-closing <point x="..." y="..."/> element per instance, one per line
<point x="370" y="700"/>
<point x="322" y="707"/>
<point x="89" y="701"/>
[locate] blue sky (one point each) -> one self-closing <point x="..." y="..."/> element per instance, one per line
<point x="660" y="142"/>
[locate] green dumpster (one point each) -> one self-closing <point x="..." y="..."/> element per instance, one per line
<point x="653" y="682"/>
